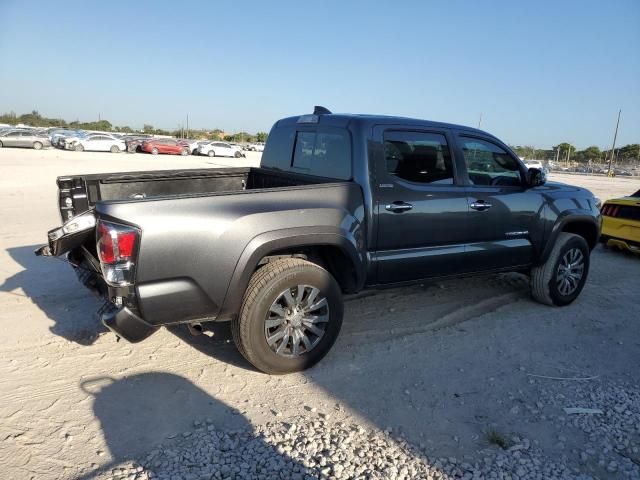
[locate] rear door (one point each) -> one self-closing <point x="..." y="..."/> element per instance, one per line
<point x="421" y="205"/>
<point x="224" y="149"/>
<point x="167" y="146"/>
<point x="99" y="143"/>
<point x="24" y="139"/>
<point x="503" y="210"/>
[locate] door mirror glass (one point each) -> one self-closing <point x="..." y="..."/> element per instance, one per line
<point x="536" y="177"/>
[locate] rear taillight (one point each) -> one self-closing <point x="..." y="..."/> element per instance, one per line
<point x="610" y="210"/>
<point x="116" y="245"/>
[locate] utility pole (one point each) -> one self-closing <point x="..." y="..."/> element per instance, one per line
<point x="187" y="126"/>
<point x="480" y="121"/>
<point x="613" y="147"/>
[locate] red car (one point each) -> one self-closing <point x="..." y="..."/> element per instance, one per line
<point x="164" y="145"/>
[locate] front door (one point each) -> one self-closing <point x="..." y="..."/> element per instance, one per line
<point x="12" y="139"/>
<point x="421" y="207"/>
<point x="502" y="208"/>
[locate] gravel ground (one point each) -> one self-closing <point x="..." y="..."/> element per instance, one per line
<point x="313" y="447"/>
<point x="450" y="379"/>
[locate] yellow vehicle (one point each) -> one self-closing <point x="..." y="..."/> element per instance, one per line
<point x="621" y="223"/>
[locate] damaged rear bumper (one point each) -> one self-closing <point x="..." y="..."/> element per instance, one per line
<point x="126" y="324"/>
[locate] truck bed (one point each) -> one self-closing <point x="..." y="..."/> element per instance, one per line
<point x="80" y="193"/>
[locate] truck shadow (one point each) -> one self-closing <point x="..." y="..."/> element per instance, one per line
<point x="53" y="287"/>
<point x="219" y="345"/>
<point x="139" y="412"/>
<point x="375" y="316"/>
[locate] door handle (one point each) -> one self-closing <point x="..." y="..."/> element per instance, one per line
<point x="398" y="207"/>
<point x="480" y="205"/>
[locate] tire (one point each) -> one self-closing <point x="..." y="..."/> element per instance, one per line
<point x="79" y="148"/>
<point x="267" y="286"/>
<point x="1" y="145"/>
<point x="154" y="151"/>
<point x="237" y="154"/>
<point x="37" y="145"/>
<point x="545" y="279"/>
<point x="184" y="152"/>
<point x="211" y="153"/>
<point x="114" y="149"/>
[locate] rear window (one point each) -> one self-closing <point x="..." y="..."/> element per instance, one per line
<point x="325" y="152"/>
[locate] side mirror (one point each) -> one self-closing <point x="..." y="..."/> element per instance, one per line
<point x="536" y="177"/>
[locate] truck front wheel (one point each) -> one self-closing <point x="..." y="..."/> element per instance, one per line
<point x="290" y="317"/>
<point x="561" y="278"/>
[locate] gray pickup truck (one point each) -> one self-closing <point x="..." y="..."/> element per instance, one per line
<point x="339" y="203"/>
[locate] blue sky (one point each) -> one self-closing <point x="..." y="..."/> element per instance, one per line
<point x="540" y="72"/>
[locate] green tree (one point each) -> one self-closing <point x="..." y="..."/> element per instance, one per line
<point x="592" y="153"/>
<point x="261" y="136"/>
<point x="566" y="150"/>
<point x="630" y="152"/>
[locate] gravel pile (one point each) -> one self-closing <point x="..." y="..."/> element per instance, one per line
<point x="304" y="449"/>
<point x="602" y="443"/>
<point x="611" y="428"/>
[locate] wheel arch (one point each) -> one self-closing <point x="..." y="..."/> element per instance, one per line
<point x="578" y="223"/>
<point x="332" y="250"/>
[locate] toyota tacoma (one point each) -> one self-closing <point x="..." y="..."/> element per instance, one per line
<point x="339" y="203"/>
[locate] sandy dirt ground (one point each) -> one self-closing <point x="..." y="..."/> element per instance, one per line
<point x="440" y="364"/>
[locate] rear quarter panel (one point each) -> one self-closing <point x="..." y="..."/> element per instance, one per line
<point x="194" y="243"/>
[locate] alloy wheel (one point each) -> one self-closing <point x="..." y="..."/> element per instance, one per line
<point x="570" y="271"/>
<point x="296" y="321"/>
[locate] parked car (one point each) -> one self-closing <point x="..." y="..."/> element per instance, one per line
<point x="621" y="222"/>
<point x="536" y="164"/>
<point x="59" y="136"/>
<point x="256" y="147"/>
<point x="23" y="138"/>
<point x="220" y="149"/>
<point x="620" y="172"/>
<point x="273" y="249"/>
<point x="191" y="144"/>
<point x="96" y="142"/>
<point x="134" y="144"/>
<point x="164" y="145"/>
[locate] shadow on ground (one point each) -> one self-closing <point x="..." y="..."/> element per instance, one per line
<point x="52" y="286"/>
<point x="141" y="411"/>
<point x="217" y="343"/>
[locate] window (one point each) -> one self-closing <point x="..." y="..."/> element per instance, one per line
<point x="326" y="154"/>
<point x="489" y="164"/>
<point x="418" y="157"/>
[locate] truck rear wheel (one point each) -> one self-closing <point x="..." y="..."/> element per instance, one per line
<point x="561" y="278"/>
<point x="290" y="316"/>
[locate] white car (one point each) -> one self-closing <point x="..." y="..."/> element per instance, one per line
<point x="534" y="164"/>
<point x="257" y="147"/>
<point x="192" y="144"/>
<point x="220" y="149"/>
<point x="97" y="142"/>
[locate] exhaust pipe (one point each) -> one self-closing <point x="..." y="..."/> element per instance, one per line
<point x="195" y="328"/>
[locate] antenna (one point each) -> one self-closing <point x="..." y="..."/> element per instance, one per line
<point x="319" y="110"/>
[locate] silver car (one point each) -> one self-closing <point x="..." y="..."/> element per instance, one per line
<point x="23" y="138"/>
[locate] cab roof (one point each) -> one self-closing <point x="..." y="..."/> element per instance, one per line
<point x="345" y="120"/>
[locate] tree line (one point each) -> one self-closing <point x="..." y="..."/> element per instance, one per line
<point x="564" y="152"/>
<point x="34" y="119"/>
